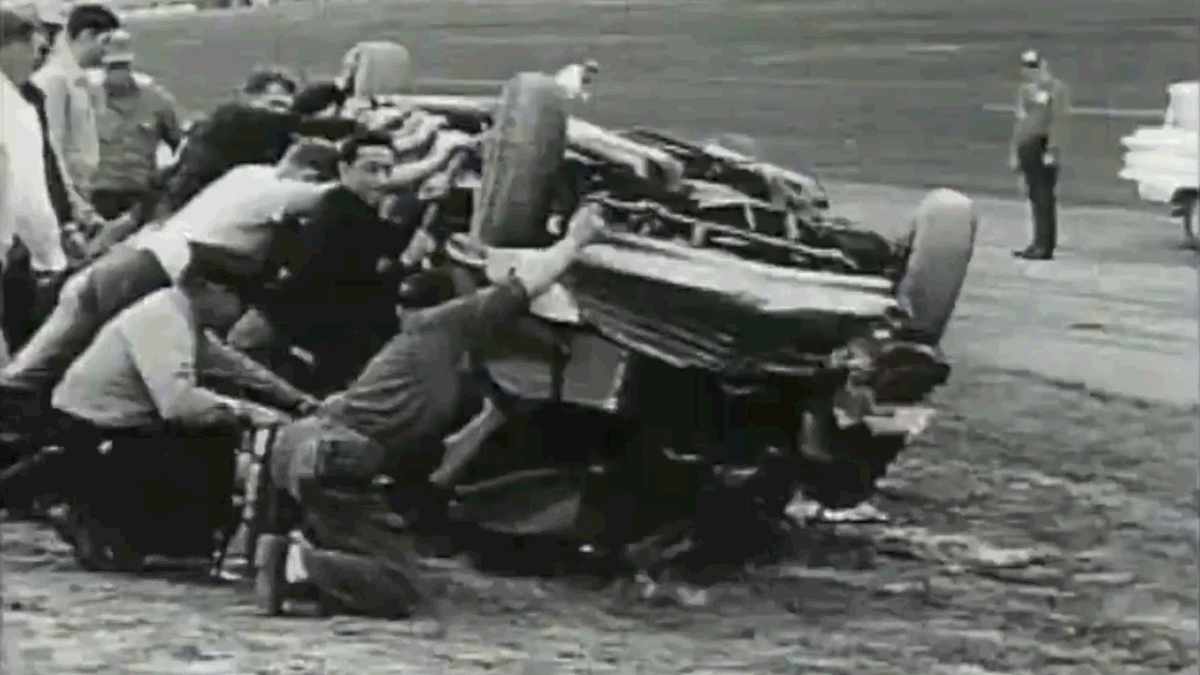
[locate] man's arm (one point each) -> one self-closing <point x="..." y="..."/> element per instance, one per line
<point x="226" y="363"/>
<point x="1060" y="113"/>
<point x="57" y="104"/>
<point x="35" y="222"/>
<point x="472" y="321"/>
<point x="445" y="146"/>
<point x="1018" y="120"/>
<point x="169" y="128"/>
<point x="163" y="347"/>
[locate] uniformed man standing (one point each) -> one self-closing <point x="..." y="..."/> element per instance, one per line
<point x="1039" y="134"/>
<point x="134" y="114"/>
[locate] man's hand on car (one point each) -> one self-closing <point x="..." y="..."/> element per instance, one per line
<point x="453" y="140"/>
<point x="586" y="224"/>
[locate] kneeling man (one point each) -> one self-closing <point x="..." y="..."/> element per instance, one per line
<point x="391" y="421"/>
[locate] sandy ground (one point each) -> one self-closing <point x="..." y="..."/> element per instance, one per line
<point x="1047" y="523"/>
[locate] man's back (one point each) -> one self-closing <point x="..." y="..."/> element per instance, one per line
<point x="238" y="210"/>
<point x="105" y="385"/>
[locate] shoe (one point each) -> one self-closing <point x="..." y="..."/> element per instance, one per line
<point x="1033" y="254"/>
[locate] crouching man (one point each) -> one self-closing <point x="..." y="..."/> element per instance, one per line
<point x="391" y="421"/>
<point x="136" y="389"/>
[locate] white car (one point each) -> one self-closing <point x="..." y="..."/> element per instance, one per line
<point x="1164" y="161"/>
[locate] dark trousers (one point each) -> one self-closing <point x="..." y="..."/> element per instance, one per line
<point x="112" y="203"/>
<point x="322" y="471"/>
<point x="24" y="309"/>
<point x="88" y="300"/>
<point x="155" y="491"/>
<point x="1041" y="181"/>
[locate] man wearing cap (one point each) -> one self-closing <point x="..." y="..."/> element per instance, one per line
<point x="138" y="386"/>
<point x="391" y="420"/>
<point x="26" y="210"/>
<point x="134" y="115"/>
<point x="54" y="92"/>
<point x="1039" y="134"/>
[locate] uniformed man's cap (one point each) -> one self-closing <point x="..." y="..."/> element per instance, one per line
<point x="1030" y="58"/>
<point x="52" y="12"/>
<point x="118" y="47"/>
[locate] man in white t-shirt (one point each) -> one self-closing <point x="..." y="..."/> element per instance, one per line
<point x="231" y="223"/>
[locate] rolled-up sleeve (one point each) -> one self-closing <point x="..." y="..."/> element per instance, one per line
<point x="163" y="348"/>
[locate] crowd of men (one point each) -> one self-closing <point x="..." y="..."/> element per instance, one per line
<point x="149" y="309"/>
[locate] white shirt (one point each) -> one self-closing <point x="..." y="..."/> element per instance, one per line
<point x="25" y="209"/>
<point x="141" y="368"/>
<point x="237" y="211"/>
<point x="170" y="248"/>
<point x="71" y="102"/>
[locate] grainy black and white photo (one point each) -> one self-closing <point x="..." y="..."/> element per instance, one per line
<point x="647" y="337"/>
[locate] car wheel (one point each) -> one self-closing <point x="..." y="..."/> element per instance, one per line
<point x="1191" y="224"/>
<point x="522" y="159"/>
<point x="943" y="242"/>
<point x="269" y="583"/>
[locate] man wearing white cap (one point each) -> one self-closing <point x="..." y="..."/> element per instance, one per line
<point x="1040" y="131"/>
<point x="133" y="115"/>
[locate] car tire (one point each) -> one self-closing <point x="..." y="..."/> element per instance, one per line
<point x="522" y="159"/>
<point x="1191" y="224"/>
<point x="269" y="583"/>
<point x="943" y="241"/>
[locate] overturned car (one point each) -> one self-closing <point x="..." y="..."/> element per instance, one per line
<point x="727" y="345"/>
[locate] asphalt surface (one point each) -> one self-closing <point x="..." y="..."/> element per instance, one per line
<point x="878" y="91"/>
<point x="1047" y="524"/>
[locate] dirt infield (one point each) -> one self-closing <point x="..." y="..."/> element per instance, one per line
<point x="1042" y="526"/>
<point x="1046" y="524"/>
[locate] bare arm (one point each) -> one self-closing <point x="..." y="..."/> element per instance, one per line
<point x="538" y="273"/>
<point x="407" y="176"/>
<point x="470" y="322"/>
<point x="228" y="364"/>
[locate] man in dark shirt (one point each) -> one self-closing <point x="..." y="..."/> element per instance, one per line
<point x="392" y="420"/>
<point x="339" y="299"/>
<point x="256" y="129"/>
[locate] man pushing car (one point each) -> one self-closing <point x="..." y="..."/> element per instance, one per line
<point x="391" y="421"/>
